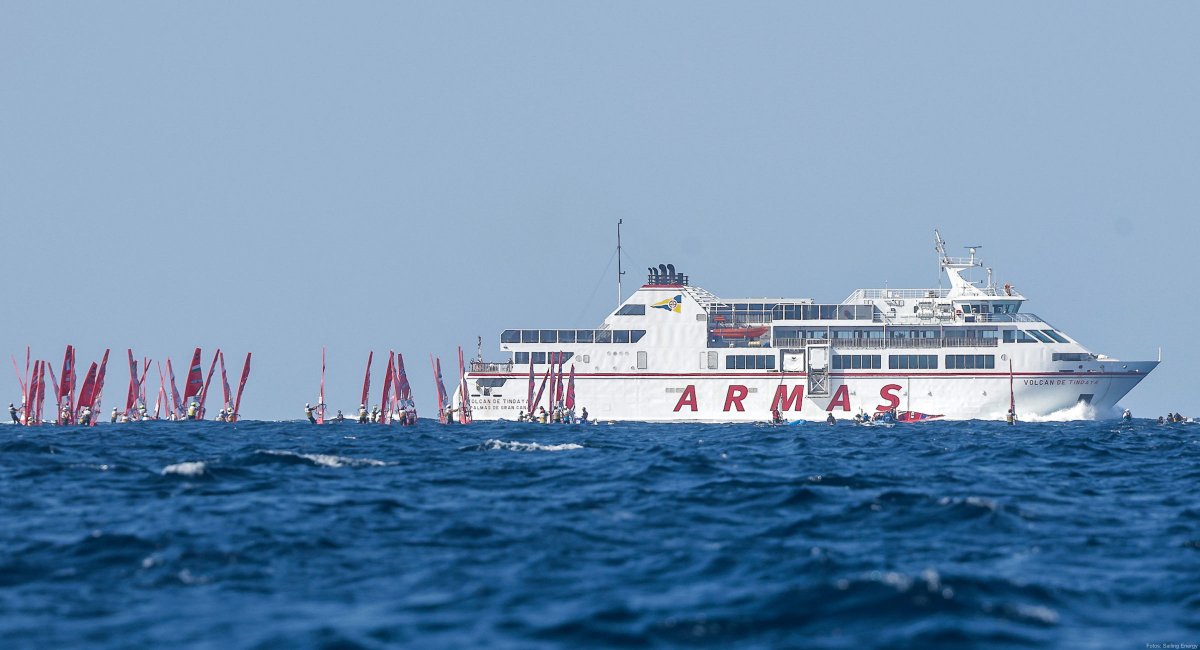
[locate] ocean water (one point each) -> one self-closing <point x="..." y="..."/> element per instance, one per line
<point x="505" y="535"/>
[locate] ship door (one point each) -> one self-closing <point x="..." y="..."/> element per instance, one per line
<point x="818" y="370"/>
<point x="793" y="361"/>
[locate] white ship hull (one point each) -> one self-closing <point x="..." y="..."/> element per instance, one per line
<point x="676" y="353"/>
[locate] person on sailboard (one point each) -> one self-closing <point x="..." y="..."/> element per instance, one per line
<point x="85" y="416"/>
<point x="308" y="413"/>
<point x="542" y="414"/>
<point x="114" y="415"/>
<point x="339" y="417"/>
<point x="12" y="412"/>
<point x="1011" y="418"/>
<point x="776" y="417"/>
<point x="584" y="416"/>
<point x="1127" y="415"/>
<point x="142" y="414"/>
<point x="191" y="411"/>
<point x="362" y="413"/>
<point x="375" y="415"/>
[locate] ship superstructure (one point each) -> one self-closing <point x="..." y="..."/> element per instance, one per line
<point x="675" y="352"/>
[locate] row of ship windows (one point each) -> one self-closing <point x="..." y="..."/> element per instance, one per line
<point x="1033" y="336"/>
<point x="572" y="336"/>
<point x="749" y="361"/>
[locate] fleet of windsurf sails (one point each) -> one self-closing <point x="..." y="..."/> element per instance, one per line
<point x="396" y="403"/>
<point x="84" y="408"/>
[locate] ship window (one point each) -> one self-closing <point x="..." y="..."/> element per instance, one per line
<point x="620" y="336"/>
<point x="549" y="336"/>
<point x="789" y="312"/>
<point x="1072" y="356"/>
<point x="521" y="357"/>
<point x="511" y="336"/>
<point x="987" y="334"/>
<point x="490" y="382"/>
<point x="1010" y="336"/>
<point x="1039" y="336"/>
<point x="1024" y="337"/>
<point x="777" y="311"/>
<point x="604" y="336"/>
<point x="632" y="310"/>
<point x="566" y="336"/>
<point x="739" y="362"/>
<point x="583" y="336"/>
<point x="538" y="357"/>
<point x="828" y="312"/>
<point x="741" y="306"/>
<point x="1055" y="335"/>
<point x="529" y="336"/>
<point x="636" y="335"/>
<point x="641" y="360"/>
<point x="864" y="312"/>
<point x="756" y="307"/>
<point x="749" y="362"/>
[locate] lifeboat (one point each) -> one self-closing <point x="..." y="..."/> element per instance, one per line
<point x="740" y="332"/>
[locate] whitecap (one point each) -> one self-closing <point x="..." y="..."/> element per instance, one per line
<point x="326" y="459"/>
<point x="195" y="468"/>
<point x="1080" y="411"/>
<point x="526" y="446"/>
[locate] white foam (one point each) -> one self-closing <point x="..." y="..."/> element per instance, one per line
<point x="1079" y="411"/>
<point x="526" y="446"/>
<point x="195" y="468"/>
<point x="327" y="460"/>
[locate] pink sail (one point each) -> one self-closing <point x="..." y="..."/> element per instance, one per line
<point x="195" y="378"/>
<point x="403" y="389"/>
<point x="367" y="383"/>
<point x="67" y="389"/>
<point x="207" y="383"/>
<point x="320" y="396"/>
<point x="131" y="396"/>
<point x="387" y="388"/>
<point x="99" y="389"/>
<point x="558" y="381"/>
<point x="529" y="401"/>
<point x="441" y="388"/>
<point x="228" y="402"/>
<point x="176" y="400"/>
<point x="538" y="400"/>
<point x="571" y="390"/>
<point x="464" y="415"/>
<point x="237" y="404"/>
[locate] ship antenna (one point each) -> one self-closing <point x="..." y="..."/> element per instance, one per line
<point x="619" y="271"/>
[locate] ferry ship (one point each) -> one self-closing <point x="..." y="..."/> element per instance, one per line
<point x="673" y="352"/>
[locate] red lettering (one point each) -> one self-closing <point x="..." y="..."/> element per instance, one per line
<point x="734" y="396"/>
<point x="688" y="398"/>
<point x="840" y="398"/>
<point x="887" y="393"/>
<point x="782" y="396"/>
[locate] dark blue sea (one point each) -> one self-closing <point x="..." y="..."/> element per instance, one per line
<point x="288" y="535"/>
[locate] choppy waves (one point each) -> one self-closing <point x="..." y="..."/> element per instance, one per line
<point x="960" y="534"/>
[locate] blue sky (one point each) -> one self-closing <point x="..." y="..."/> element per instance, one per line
<point x="275" y="177"/>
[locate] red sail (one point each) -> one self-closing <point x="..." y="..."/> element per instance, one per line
<point x="204" y="391"/>
<point x="195" y="378"/>
<point x="367" y="383"/>
<point x="538" y="400"/>
<point x="441" y="388"/>
<point x="162" y="392"/>
<point x="20" y="380"/>
<point x="237" y="404"/>
<point x="88" y="389"/>
<point x="225" y="384"/>
<point x="41" y="392"/>
<point x="178" y="402"/>
<point x="558" y="385"/>
<point x="142" y="382"/>
<point x="99" y="394"/>
<point x="387" y="388"/>
<point x="571" y="390"/>
<point x="403" y="388"/>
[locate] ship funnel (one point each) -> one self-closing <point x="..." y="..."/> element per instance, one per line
<point x="663" y="268"/>
<point x="671" y="274"/>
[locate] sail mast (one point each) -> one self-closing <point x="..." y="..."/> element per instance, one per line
<point x="619" y="271"/>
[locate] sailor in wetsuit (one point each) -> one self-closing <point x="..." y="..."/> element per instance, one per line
<point x="339" y="417"/>
<point x="191" y="412"/>
<point x="12" y="412"/>
<point x="85" y="416"/>
<point x="1127" y="415"/>
<point x="362" y="413"/>
<point x="308" y="413"/>
<point x="776" y="417"/>
<point x="831" y="421"/>
<point x="114" y="415"/>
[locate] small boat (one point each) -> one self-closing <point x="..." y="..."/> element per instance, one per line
<point x="740" y="332"/>
<point x="913" y="416"/>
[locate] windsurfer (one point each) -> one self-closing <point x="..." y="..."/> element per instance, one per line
<point x="339" y="417"/>
<point x="375" y="418"/>
<point x="85" y="416"/>
<point x="1126" y="416"/>
<point x="1011" y="418"/>
<point x="191" y="411"/>
<point x="362" y="413"/>
<point x="12" y="412"/>
<point x="831" y="421"/>
<point x="114" y="415"/>
<point x="584" y="416"/>
<point x="308" y="413"/>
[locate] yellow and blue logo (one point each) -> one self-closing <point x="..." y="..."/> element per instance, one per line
<point x="670" y="304"/>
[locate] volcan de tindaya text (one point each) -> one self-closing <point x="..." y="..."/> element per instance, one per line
<point x="675" y="352"/>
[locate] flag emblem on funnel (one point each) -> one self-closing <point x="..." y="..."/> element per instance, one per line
<point x="670" y="304"/>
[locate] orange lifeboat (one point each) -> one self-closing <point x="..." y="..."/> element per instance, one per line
<point x="740" y="332"/>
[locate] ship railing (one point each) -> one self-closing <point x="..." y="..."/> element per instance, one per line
<point x="491" y="366"/>
<point x="882" y="344"/>
<point x="861" y="294"/>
